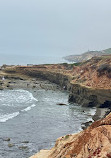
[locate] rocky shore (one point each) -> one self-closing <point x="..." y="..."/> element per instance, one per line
<point x="94" y="142"/>
<point x="78" y="93"/>
<point x="14" y="81"/>
<point x="88" y="84"/>
<point x="82" y="82"/>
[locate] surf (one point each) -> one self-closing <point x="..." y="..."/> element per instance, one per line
<point x="15" y="102"/>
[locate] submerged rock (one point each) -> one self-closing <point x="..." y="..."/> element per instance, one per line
<point x="6" y="139"/>
<point x="10" y="145"/>
<point x="61" y="104"/>
<point x="23" y="147"/>
<point x="25" y="142"/>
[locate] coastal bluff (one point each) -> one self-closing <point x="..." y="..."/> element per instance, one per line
<point x="94" y="142"/>
<point x="88" y="83"/>
<point x="87" y="55"/>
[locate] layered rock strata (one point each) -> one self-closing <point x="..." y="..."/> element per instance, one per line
<point x="80" y="93"/>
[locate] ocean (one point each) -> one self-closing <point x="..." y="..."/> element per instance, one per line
<point x="33" y="121"/>
<point x="30" y="59"/>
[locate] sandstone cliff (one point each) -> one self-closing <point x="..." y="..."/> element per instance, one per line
<point x="89" y="83"/>
<point x="94" y="142"/>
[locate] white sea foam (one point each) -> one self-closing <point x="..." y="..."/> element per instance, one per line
<point x="24" y="96"/>
<point x="16" y="97"/>
<point x="32" y="97"/>
<point x="29" y="108"/>
<point x="15" y="101"/>
<point x="4" y="118"/>
<point x="92" y="111"/>
<point x="90" y="119"/>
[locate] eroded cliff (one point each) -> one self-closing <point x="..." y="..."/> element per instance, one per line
<point x="94" y="142"/>
<point x="89" y="83"/>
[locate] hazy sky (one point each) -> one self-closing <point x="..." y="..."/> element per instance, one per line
<point x="49" y="27"/>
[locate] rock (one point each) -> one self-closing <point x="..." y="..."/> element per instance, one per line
<point x="10" y="145"/>
<point x="25" y="142"/>
<point x="10" y="88"/>
<point x="6" y="139"/>
<point x="1" y="88"/>
<point x="8" y="85"/>
<point x="72" y="98"/>
<point x="61" y="104"/>
<point x="86" y="124"/>
<point x="22" y="147"/>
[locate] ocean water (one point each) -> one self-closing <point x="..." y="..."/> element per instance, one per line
<point x="34" y="116"/>
<point x="57" y="28"/>
<point x="30" y="59"/>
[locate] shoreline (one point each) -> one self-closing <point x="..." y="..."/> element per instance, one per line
<point x="78" y="93"/>
<point x="20" y="78"/>
<point x="24" y="84"/>
<point x="29" y="80"/>
<point x="92" y="142"/>
<point x="59" y="79"/>
<point x="41" y="86"/>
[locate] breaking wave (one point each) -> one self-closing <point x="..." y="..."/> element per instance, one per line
<point x="4" y="118"/>
<point x="14" y="102"/>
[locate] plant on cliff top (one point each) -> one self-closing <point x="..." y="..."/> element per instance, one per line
<point x="104" y="69"/>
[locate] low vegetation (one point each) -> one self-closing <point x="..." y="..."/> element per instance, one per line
<point x="104" y="69"/>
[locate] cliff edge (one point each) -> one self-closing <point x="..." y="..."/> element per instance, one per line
<point x="89" y="82"/>
<point x="94" y="142"/>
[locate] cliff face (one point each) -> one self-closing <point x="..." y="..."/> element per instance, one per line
<point x="89" y="84"/>
<point x="90" y="97"/>
<point x="93" y="142"/>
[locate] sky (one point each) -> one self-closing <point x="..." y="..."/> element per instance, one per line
<point x="54" y="27"/>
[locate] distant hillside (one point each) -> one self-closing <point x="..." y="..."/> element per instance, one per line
<point x="87" y="55"/>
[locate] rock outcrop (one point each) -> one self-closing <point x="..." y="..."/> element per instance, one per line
<point x="89" y="84"/>
<point x="87" y="55"/>
<point x="94" y="142"/>
<point x="90" y="97"/>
